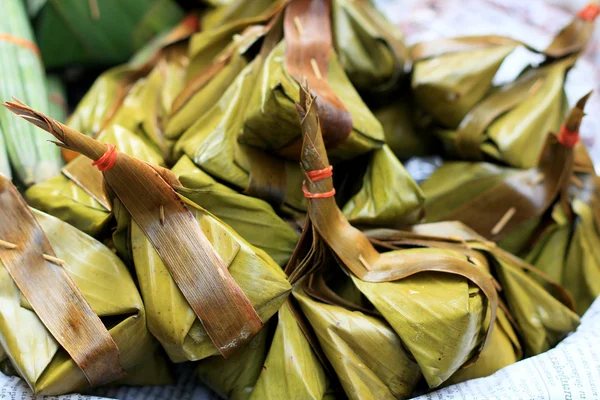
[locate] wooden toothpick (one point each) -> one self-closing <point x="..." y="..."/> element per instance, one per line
<point x="315" y="67"/>
<point x="503" y="221"/>
<point x="53" y="260"/>
<point x="364" y="263"/>
<point x="298" y="25"/>
<point x="7" y="245"/>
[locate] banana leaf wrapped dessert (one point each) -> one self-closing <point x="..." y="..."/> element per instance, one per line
<point x="206" y="290"/>
<point x="212" y="144"/>
<point x="403" y="131"/>
<point x="376" y="190"/>
<point x="270" y="122"/>
<point x="252" y="218"/>
<point x="139" y="95"/>
<point x="452" y="82"/>
<point x="84" y="318"/>
<point x="505" y="126"/>
<point x="23" y="76"/>
<point x="100" y="32"/>
<point x="371" y="49"/>
<point x="216" y="58"/>
<point x="566" y="247"/>
<point x="77" y="196"/>
<point x="125" y="108"/>
<point x="450" y="76"/>
<point x="223" y="12"/>
<point x="277" y="67"/>
<point x="345" y="328"/>
<point x="539" y="213"/>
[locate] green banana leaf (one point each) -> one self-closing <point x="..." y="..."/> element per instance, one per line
<point x="271" y="121"/>
<point x="453" y="183"/>
<point x="511" y="123"/>
<point x="230" y="11"/>
<point x="194" y="105"/>
<point x="159" y="90"/>
<point x="371" y="49"/>
<point x="542" y="319"/>
<point x="108" y="286"/>
<point x="402" y="134"/>
<point x="234" y="377"/>
<point x="252" y="218"/>
<point x="503" y="349"/>
<point x="447" y="86"/>
<point x="388" y="196"/>
<point x="566" y="249"/>
<point x="102" y="32"/>
<point x="291" y="369"/>
<point x="549" y="252"/>
<point x="112" y="88"/>
<point x="583" y="260"/>
<point x="367" y="355"/>
<point x="456" y="183"/>
<point x="211" y="142"/>
<point x="230" y="22"/>
<point x="22" y="77"/>
<point x="92" y="110"/>
<point x="63" y="198"/>
<point x="57" y="98"/>
<point x="439" y="317"/>
<point x="170" y="318"/>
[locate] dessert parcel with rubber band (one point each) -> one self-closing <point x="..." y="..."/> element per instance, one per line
<point x="233" y="197"/>
<point x="453" y="319"/>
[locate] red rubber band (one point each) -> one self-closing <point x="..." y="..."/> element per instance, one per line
<point x="566" y="137"/>
<point x="108" y="159"/>
<point x="316" y="176"/>
<point x="589" y="12"/>
<point x="310" y="195"/>
<point x="191" y="21"/>
<point x="320" y="174"/>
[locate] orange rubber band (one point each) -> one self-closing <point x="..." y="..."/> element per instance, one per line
<point x="191" y="22"/>
<point x="320" y="174"/>
<point x="310" y="195"/>
<point x="21" y="42"/>
<point x="316" y="176"/>
<point x="108" y="159"/>
<point x="589" y="12"/>
<point x="566" y="137"/>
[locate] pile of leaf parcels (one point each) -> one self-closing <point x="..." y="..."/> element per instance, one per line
<point x="232" y="196"/>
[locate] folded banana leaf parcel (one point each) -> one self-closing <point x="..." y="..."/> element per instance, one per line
<point x="370" y="49"/>
<point x="475" y="120"/>
<point x="236" y="117"/>
<point x="540" y="213"/>
<point x="139" y="94"/>
<point x="206" y="290"/>
<point x="301" y="44"/>
<point x="71" y="316"/>
<point x="123" y="108"/>
<point x="366" y="324"/>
